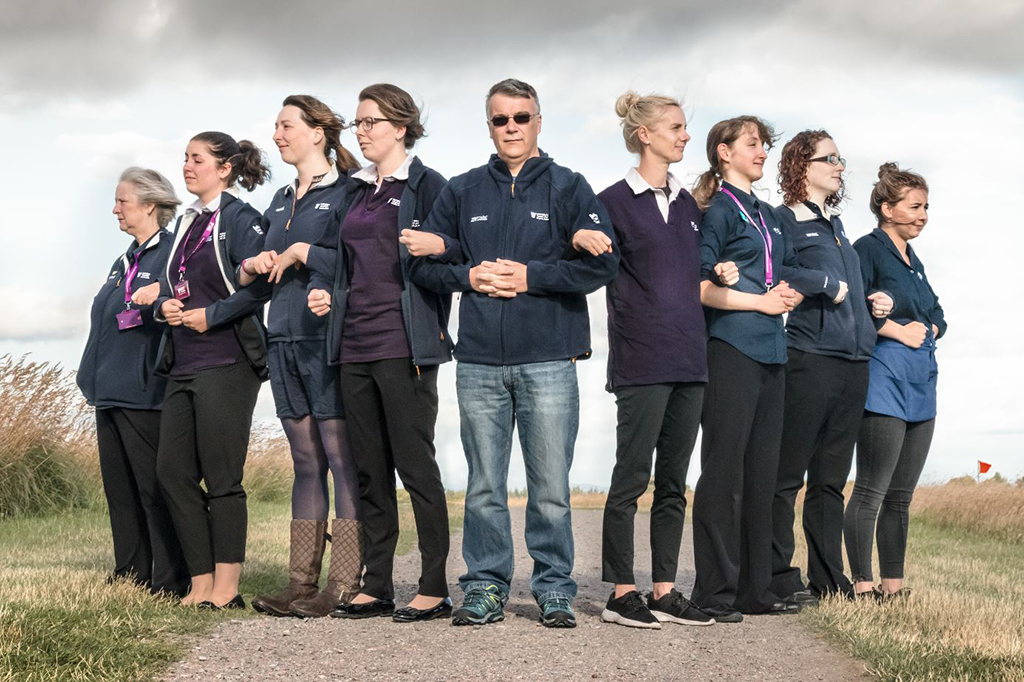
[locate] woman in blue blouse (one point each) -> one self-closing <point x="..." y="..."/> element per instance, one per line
<point x="899" y="416"/>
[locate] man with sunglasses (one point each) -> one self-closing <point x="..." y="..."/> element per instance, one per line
<point x="523" y="323"/>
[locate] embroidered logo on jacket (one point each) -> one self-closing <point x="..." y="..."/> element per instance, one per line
<point x="478" y="219"/>
<point x="415" y="223"/>
<point x="694" y="225"/>
<point x="223" y="236"/>
<point x="811" y="234"/>
<point x="143" y="275"/>
<point x="920" y="276"/>
<point x="259" y="230"/>
<point x="322" y="206"/>
<point x="394" y="202"/>
<point x="776" y="230"/>
<point x="593" y="216"/>
<point x="538" y="216"/>
<point x="278" y="210"/>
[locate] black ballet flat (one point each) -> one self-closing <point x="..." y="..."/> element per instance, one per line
<point x="377" y="607"/>
<point x="408" y="614"/>
<point x="236" y="603"/>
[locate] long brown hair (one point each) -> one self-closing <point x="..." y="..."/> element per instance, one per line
<point x="726" y="132"/>
<point x="398" y="107"/>
<point x="316" y="114"/>
<point x="796" y="157"/>
<point x="892" y="184"/>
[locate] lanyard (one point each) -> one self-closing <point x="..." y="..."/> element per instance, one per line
<point x="128" y="277"/>
<point x="765" y="236"/>
<point x="185" y="257"/>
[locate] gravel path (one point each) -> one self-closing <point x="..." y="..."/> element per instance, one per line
<point x="760" y="648"/>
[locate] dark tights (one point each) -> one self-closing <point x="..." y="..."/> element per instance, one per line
<point x="318" y="445"/>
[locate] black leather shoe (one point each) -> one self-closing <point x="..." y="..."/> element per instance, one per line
<point x="804" y="598"/>
<point x="236" y="603"/>
<point x="782" y="608"/>
<point x="722" y="614"/>
<point x="377" y="607"/>
<point x="408" y="614"/>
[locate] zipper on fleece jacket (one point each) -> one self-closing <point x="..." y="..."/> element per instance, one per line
<point x="504" y="254"/>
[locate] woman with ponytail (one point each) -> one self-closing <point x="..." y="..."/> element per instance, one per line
<point x="743" y="401"/>
<point x="656" y="362"/>
<point x="830" y="342"/>
<point x="307" y="393"/>
<point x="215" y="357"/>
<point x="899" y="416"/>
<point x="389" y="336"/>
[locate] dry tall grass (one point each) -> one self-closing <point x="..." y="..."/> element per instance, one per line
<point x="991" y="507"/>
<point x="47" y="440"/>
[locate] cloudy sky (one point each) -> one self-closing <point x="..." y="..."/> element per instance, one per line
<point x="87" y="89"/>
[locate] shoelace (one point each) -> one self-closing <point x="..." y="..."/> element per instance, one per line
<point x="556" y="604"/>
<point x="678" y="600"/>
<point x="635" y="602"/>
<point x="484" y="598"/>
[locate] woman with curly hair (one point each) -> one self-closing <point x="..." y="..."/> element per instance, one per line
<point x="830" y="338"/>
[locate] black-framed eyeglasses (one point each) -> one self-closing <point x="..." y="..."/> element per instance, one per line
<point x="831" y="159"/>
<point x="521" y="119"/>
<point x="367" y="123"/>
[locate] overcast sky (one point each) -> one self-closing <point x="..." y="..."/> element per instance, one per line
<point x="87" y="89"/>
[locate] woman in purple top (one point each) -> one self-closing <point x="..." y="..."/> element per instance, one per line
<point x="214" y="353"/>
<point x="656" y="358"/>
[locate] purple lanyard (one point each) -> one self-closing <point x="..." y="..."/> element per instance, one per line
<point x="765" y="236"/>
<point x="202" y="240"/>
<point x="128" y="277"/>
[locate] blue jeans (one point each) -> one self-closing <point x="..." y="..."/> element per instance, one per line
<point x="544" y="397"/>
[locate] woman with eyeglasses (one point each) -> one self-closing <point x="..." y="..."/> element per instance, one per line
<point x="307" y="393"/>
<point x="215" y="356"/>
<point x="743" y="402"/>
<point x="389" y="336"/>
<point x="899" y="416"/>
<point x="830" y="340"/>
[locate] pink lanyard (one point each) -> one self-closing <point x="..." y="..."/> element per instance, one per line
<point x="185" y="258"/>
<point x="765" y="236"/>
<point x="128" y="277"/>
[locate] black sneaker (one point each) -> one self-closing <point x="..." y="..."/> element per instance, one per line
<point x="722" y="613"/>
<point x="804" y="598"/>
<point x="675" y="608"/>
<point x="629" y="610"/>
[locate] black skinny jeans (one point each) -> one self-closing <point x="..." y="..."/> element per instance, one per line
<point x="666" y="417"/>
<point x="890" y="457"/>
<point x="391" y="410"/>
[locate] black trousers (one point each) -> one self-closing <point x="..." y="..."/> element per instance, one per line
<point x="824" y="402"/>
<point x="391" y="410"/>
<point x="890" y="458"/>
<point x="204" y="437"/>
<point x="665" y="417"/>
<point x="146" y="547"/>
<point x="732" y="522"/>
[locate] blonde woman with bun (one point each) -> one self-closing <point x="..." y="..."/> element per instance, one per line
<point x="656" y="360"/>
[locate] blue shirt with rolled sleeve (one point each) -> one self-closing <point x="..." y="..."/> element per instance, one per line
<point x="726" y="235"/>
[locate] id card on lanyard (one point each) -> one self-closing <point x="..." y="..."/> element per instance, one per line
<point x="181" y="291"/>
<point x="129" y="318"/>
<point x="766" y="237"/>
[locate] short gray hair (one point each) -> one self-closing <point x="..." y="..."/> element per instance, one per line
<point x="511" y="87"/>
<point x="153" y="188"/>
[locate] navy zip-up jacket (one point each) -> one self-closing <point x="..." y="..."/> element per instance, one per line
<point x="424" y="311"/>
<point x="818" y="325"/>
<point x="238" y="234"/>
<point x="314" y="220"/>
<point x="117" y="366"/>
<point x="486" y="214"/>
<point x="726" y="235"/>
<point x="883" y="269"/>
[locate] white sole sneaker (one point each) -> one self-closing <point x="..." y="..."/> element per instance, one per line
<point x="668" y="618"/>
<point x="609" y="616"/>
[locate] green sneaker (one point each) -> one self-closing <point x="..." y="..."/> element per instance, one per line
<point x="557" y="613"/>
<point x="482" y="605"/>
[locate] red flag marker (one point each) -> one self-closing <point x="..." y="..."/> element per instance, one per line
<point x="983" y="467"/>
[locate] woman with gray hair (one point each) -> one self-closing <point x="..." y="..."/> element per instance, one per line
<point x="116" y="377"/>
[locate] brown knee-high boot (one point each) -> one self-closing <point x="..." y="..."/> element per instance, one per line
<point x="343" y="575"/>
<point x="306" y="553"/>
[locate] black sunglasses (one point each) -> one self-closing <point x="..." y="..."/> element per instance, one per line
<point x="520" y="119"/>
<point x="831" y="159"/>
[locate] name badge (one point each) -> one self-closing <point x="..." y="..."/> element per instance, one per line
<point x="127" y="319"/>
<point x="181" y="291"/>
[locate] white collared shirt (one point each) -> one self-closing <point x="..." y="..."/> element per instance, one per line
<point x="369" y="174"/>
<point x="637" y="183"/>
<point x="197" y="205"/>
